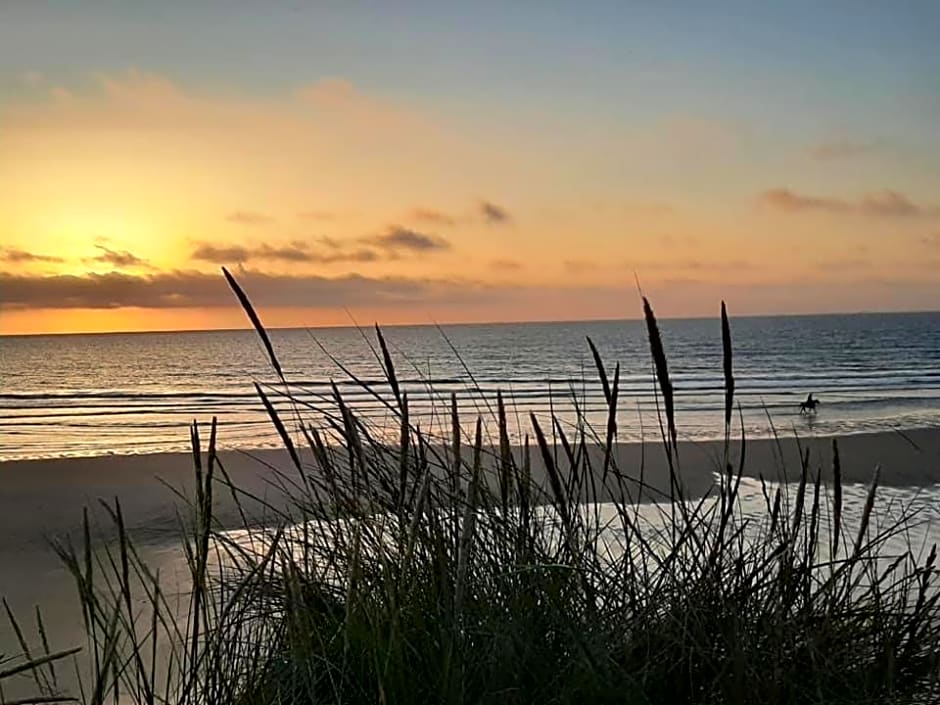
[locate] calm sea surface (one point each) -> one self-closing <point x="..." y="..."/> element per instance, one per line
<point x="81" y="395"/>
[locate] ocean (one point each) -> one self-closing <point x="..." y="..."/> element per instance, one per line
<point x="131" y="393"/>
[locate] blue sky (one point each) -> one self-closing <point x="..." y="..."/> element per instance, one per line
<point x="421" y="48"/>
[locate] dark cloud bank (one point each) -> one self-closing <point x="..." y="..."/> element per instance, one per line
<point x="183" y="289"/>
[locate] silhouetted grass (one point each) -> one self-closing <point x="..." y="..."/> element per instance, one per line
<point x="449" y="570"/>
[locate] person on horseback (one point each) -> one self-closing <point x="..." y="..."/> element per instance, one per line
<point x="809" y="406"/>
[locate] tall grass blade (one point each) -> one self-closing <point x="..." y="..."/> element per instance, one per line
<point x="601" y="372"/>
<point x="557" y="485"/>
<point x="255" y="321"/>
<point x="662" y="369"/>
<point x="837" y="499"/>
<point x="389" y="366"/>
<point x="505" y="452"/>
<point x="279" y="426"/>
<point x="455" y="444"/>
<point x="35" y="663"/>
<point x="866" y="512"/>
<point x="727" y="365"/>
<point x="611" y="425"/>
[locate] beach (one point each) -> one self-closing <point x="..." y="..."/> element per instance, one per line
<point x="43" y="500"/>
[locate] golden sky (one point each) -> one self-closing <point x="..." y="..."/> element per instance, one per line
<point x="124" y="190"/>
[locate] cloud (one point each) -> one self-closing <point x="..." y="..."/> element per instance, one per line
<point x="295" y="251"/>
<point x="889" y="203"/>
<point x="431" y="216"/>
<point x="505" y="265"/>
<point x="14" y="255"/>
<point x="360" y="254"/>
<point x="249" y="218"/>
<point x="325" y="250"/>
<point x="410" y="299"/>
<point x="493" y="214"/>
<point x="331" y="242"/>
<point x="840" y="148"/>
<point x="397" y="238"/>
<point x="117" y="258"/>
<point x="187" y="289"/>
<point x="219" y="254"/>
<point x="487" y="211"/>
<point x="886" y="203"/>
<point x="786" y="200"/>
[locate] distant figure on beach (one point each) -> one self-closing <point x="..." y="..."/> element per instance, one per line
<point x="809" y="406"/>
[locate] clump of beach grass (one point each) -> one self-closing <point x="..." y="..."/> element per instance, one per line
<point x="453" y="568"/>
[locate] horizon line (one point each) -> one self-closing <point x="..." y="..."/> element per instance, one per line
<point x="355" y="326"/>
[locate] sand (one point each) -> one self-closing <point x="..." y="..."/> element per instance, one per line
<point x="43" y="499"/>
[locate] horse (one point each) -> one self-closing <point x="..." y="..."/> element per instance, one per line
<point x="809" y="406"/>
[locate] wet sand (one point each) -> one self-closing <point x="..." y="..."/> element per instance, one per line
<point x="41" y="499"/>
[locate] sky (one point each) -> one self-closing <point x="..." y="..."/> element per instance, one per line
<point x="439" y="162"/>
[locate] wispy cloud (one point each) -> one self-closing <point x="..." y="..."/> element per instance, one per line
<point x="839" y="148"/>
<point x="220" y="254"/>
<point x="117" y="258"/>
<point x="325" y="251"/>
<point x="886" y="203"/>
<point x="15" y="255"/>
<point x="431" y="216"/>
<point x="483" y="211"/>
<point x="249" y="218"/>
<point x="397" y="238"/>
<point x="297" y="251"/>
<point x="493" y="214"/>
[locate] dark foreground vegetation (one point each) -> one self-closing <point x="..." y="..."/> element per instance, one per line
<point x="447" y="570"/>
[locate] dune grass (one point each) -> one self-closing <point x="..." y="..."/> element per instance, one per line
<point x="461" y="570"/>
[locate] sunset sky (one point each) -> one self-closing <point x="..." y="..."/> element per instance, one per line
<point x="415" y="162"/>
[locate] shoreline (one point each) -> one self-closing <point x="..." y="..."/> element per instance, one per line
<point x="783" y="435"/>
